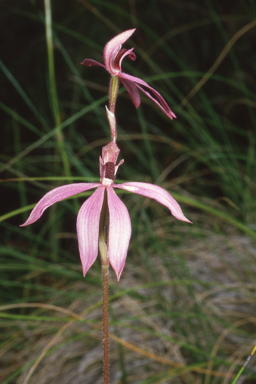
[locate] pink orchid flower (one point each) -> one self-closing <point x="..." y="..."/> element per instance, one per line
<point x="113" y="56"/>
<point x="119" y="232"/>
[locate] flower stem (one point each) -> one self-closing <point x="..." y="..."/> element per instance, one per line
<point x="105" y="322"/>
<point x="105" y="268"/>
<point x="113" y="92"/>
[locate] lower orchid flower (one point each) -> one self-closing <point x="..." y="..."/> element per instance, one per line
<point x="88" y="219"/>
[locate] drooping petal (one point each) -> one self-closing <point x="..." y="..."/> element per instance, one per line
<point x="117" y="63"/>
<point x="120" y="230"/>
<point x="57" y="194"/>
<point x="133" y="91"/>
<point x="157" y="193"/>
<point x="90" y="62"/>
<point x="158" y="99"/>
<point x="88" y="220"/>
<point x="161" y="103"/>
<point x="113" y="47"/>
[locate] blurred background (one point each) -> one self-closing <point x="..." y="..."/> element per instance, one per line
<point x="184" y="309"/>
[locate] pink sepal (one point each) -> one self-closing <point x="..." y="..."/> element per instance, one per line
<point x="158" y="99"/>
<point x="132" y="91"/>
<point x="90" y="62"/>
<point x="88" y="220"/>
<point x="113" y="47"/>
<point x="120" y="230"/>
<point x="157" y="193"/>
<point x="57" y="194"/>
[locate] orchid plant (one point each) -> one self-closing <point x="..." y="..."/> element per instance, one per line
<point x="91" y="219"/>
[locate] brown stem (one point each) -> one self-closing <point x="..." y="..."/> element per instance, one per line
<point x="105" y="267"/>
<point x="105" y="322"/>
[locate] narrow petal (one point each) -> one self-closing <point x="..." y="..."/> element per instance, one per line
<point x="90" y="62"/>
<point x="87" y="225"/>
<point x="55" y="195"/>
<point x="120" y="230"/>
<point x="117" y="62"/>
<point x="133" y="91"/>
<point x="158" y="99"/>
<point x="113" y="47"/>
<point x="157" y="193"/>
<point x="161" y="103"/>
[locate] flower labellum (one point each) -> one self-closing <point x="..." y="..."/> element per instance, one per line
<point x="88" y="219"/>
<point x="113" y="56"/>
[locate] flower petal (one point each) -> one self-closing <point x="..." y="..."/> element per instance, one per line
<point x="158" y="99"/>
<point x="117" y="62"/>
<point x="57" y="194"/>
<point x="120" y="230"/>
<point x="157" y="193"/>
<point x="133" y="91"/>
<point x="90" y="62"/>
<point x="113" y="47"/>
<point x="88" y="220"/>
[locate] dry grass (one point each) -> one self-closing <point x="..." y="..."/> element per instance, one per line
<point x="187" y="317"/>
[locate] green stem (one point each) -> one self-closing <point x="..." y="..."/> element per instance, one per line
<point x="57" y="120"/>
<point x="113" y="92"/>
<point x="243" y="367"/>
<point x="105" y="268"/>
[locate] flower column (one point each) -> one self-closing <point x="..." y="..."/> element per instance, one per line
<point x="108" y="170"/>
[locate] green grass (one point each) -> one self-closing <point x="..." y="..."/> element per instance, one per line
<point x="184" y="309"/>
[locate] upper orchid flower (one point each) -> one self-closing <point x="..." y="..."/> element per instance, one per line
<point x="88" y="218"/>
<point x="113" y="56"/>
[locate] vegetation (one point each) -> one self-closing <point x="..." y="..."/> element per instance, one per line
<point x="184" y="310"/>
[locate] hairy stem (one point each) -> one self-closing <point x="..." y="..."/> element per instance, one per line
<point x="113" y="92"/>
<point x="105" y="268"/>
<point x="105" y="322"/>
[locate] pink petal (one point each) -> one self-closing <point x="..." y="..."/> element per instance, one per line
<point x="120" y="230"/>
<point x="133" y="91"/>
<point x="158" y="99"/>
<point x="90" y="62"/>
<point x="55" y="195"/>
<point x="121" y="55"/>
<point x="87" y="225"/>
<point x="113" y="47"/>
<point x="157" y="193"/>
